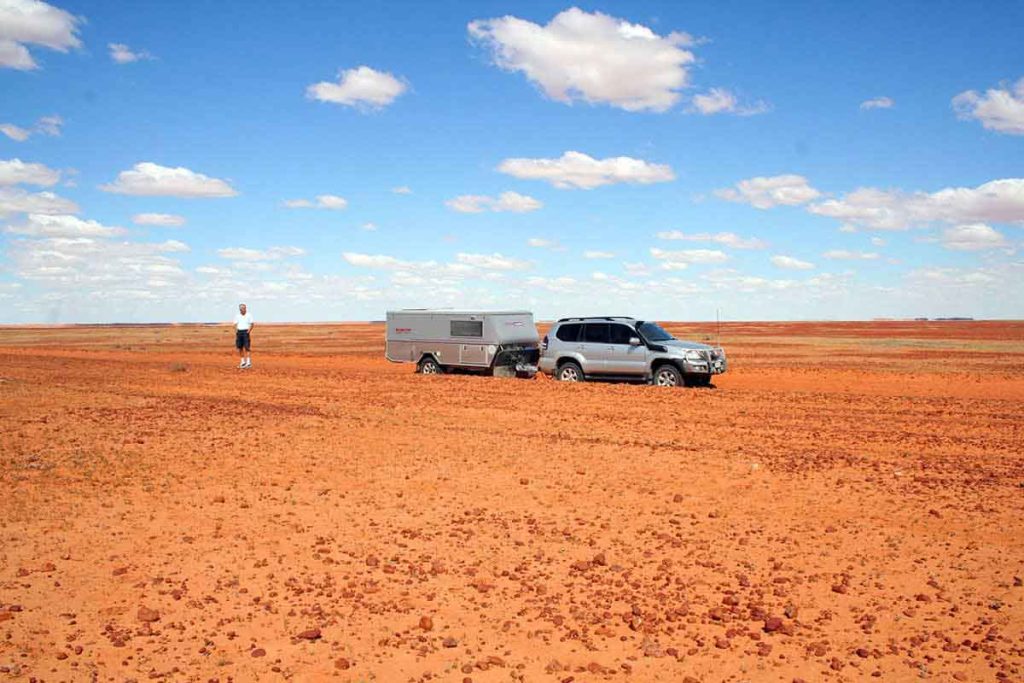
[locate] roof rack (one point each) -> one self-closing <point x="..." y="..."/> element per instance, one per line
<point x="597" y="317"/>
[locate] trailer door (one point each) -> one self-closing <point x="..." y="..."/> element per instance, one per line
<point x="470" y="336"/>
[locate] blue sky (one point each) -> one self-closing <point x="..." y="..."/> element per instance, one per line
<point x="660" y="159"/>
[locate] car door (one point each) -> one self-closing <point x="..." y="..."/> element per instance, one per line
<point x="594" y="348"/>
<point x="622" y="357"/>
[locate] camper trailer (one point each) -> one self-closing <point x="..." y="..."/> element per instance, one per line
<point x="493" y="342"/>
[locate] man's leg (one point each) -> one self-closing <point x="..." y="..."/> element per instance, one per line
<point x="248" y="350"/>
<point x="241" y="350"/>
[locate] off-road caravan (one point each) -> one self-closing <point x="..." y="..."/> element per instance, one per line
<point x="498" y="342"/>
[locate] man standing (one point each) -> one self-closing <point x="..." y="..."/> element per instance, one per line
<point x="243" y="333"/>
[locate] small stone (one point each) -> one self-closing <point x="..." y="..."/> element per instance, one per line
<point x="342" y="663"/>
<point x="372" y="561"/>
<point x="259" y="652"/>
<point x="309" y="634"/>
<point x="772" y="624"/>
<point x="147" y="615"/>
<point x="722" y="643"/>
<point x="426" y="623"/>
<point x="678" y="498"/>
<point x="450" y="642"/>
<point x="839" y="588"/>
<point x="524" y="481"/>
<point x="862" y="653"/>
<point x="600" y="560"/>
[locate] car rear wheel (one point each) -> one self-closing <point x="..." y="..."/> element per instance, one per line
<point x="429" y="366"/>
<point x="569" y="372"/>
<point x="668" y="376"/>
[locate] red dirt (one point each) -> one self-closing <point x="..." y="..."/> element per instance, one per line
<point x="846" y="504"/>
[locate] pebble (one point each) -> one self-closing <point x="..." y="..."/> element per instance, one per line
<point x="147" y="615"/>
<point x="309" y="634"/>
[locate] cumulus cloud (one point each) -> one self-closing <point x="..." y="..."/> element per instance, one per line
<point x="16" y="133"/>
<point x="877" y="103"/>
<point x="767" y="192"/>
<point x="16" y="200"/>
<point x="153" y="180"/>
<point x="322" y="201"/>
<point x="541" y="243"/>
<point x="168" y="220"/>
<point x="998" y="109"/>
<point x="790" y="263"/>
<point x="368" y="227"/>
<point x="271" y="254"/>
<point x="491" y="262"/>
<point x="591" y="57"/>
<point x="722" y="101"/>
<point x="122" y="54"/>
<point x="18" y="172"/>
<point x="401" y="189"/>
<point x="973" y="237"/>
<point x="32" y="22"/>
<point x="362" y="87"/>
<point x="727" y="239"/>
<point x="46" y="125"/>
<point x="575" y="170"/>
<point x="678" y="260"/>
<point x="41" y="225"/>
<point x="998" y="201"/>
<point x="594" y="254"/>
<point x="846" y="255"/>
<point x="506" y="201"/>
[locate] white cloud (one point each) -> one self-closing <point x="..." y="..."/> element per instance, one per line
<point x="41" y="225"/>
<point x="17" y="200"/>
<point x="540" y="243"/>
<point x="678" y="260"/>
<point x="153" y="180"/>
<point x="491" y="262"/>
<point x="122" y="54"/>
<point x="846" y="255"/>
<point x="999" y="109"/>
<point x="162" y="219"/>
<point x="593" y="254"/>
<point x="575" y="170"/>
<point x="271" y="254"/>
<point x="401" y="189"/>
<point x="362" y="87"/>
<point x="878" y="242"/>
<point x="594" y="58"/>
<point x="14" y="132"/>
<point x="46" y="125"/>
<point x="998" y="201"/>
<point x="790" y="263"/>
<point x="768" y="192"/>
<point x="322" y="201"/>
<point x="721" y="101"/>
<point x="32" y="22"/>
<point x="368" y="227"/>
<point x="877" y="103"/>
<point x="973" y="237"/>
<point x="18" y="172"/>
<point x="728" y="239"/>
<point x="506" y="201"/>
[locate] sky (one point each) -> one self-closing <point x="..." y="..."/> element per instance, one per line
<point x="667" y="160"/>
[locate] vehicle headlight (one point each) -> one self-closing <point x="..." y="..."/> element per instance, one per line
<point x="693" y="354"/>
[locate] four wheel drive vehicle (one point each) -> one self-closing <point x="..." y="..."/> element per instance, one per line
<point x="498" y="342"/>
<point x="578" y="349"/>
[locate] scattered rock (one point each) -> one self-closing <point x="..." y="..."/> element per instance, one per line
<point x="309" y="634"/>
<point x="259" y="652"/>
<point x="342" y="663"/>
<point x="426" y="623"/>
<point x="147" y="615"/>
<point x="772" y="624"/>
<point x="450" y="642"/>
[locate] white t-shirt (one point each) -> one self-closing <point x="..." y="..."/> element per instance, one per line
<point x="243" y="322"/>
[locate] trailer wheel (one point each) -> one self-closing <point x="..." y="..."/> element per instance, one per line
<point x="569" y="372"/>
<point x="668" y="375"/>
<point x="429" y="366"/>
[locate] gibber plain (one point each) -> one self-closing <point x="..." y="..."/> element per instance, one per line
<point x="846" y="503"/>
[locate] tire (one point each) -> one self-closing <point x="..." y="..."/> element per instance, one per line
<point x="667" y="375"/>
<point x="429" y="366"/>
<point x="569" y="372"/>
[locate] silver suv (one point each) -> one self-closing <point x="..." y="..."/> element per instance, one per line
<point x="578" y="349"/>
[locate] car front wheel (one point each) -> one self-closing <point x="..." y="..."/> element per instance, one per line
<point x="668" y="376"/>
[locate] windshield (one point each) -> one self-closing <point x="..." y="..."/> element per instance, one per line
<point x="653" y="332"/>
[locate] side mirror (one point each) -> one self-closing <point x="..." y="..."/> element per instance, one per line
<point x="634" y="341"/>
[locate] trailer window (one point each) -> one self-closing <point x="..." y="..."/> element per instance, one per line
<point x="569" y="333"/>
<point x="467" y="328"/>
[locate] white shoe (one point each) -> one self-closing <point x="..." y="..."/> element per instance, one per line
<point x="241" y="364"/>
<point x="248" y="364"/>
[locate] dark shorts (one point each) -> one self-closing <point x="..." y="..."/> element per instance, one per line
<point x="242" y="339"/>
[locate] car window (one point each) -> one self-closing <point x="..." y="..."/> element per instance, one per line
<point x="620" y="334"/>
<point x="569" y="333"/>
<point x="595" y="333"/>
